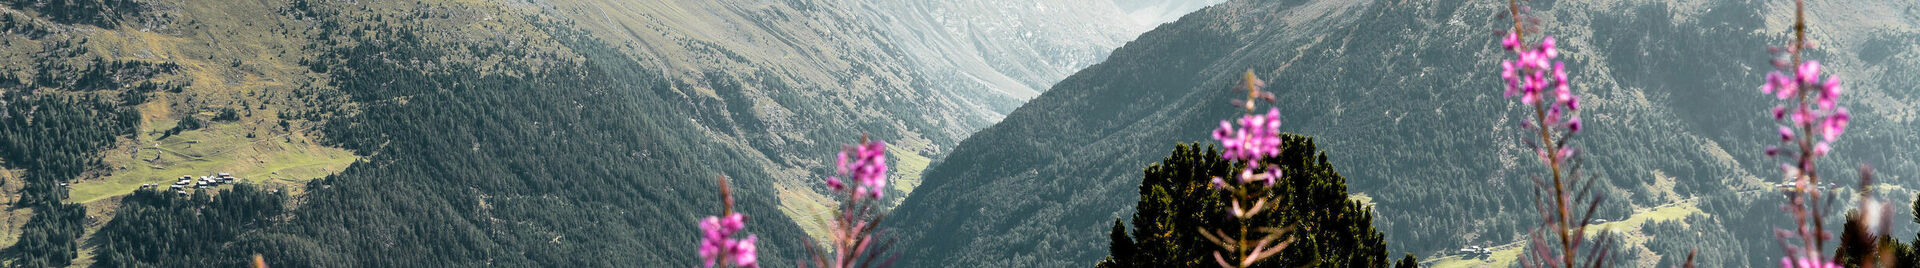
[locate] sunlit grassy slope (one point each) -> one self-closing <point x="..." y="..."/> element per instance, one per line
<point x="235" y="55"/>
<point x="1505" y="255"/>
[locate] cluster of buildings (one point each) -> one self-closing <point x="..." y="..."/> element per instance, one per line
<point x="1474" y="252"/>
<point x="187" y="181"/>
<point x="1793" y="185"/>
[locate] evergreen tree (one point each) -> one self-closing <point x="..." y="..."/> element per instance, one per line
<point x="1408" y="262"/>
<point x="1176" y="201"/>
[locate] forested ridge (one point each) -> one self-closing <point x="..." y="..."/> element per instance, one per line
<point x="448" y="127"/>
<point x="449" y="180"/>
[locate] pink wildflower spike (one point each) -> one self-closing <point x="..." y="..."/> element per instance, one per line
<point x="1835" y="125"/>
<point x="1255" y="138"/>
<point x="733" y="223"/>
<point x="745" y="253"/>
<point x="1832" y="87"/>
<point x="1786" y="134"/>
<point x="1219" y="184"/>
<point x="1779" y="112"/>
<point x="1273" y="174"/>
<point x="1236" y="211"/>
<point x="1822" y="148"/>
<point x="1574" y="124"/>
<point x="1782" y="85"/>
<point x="840" y="163"/>
<point x="1546" y="46"/>
<point x="1224" y="130"/>
<point x="1829" y="93"/>
<point x="1802" y="117"/>
<point x="1809" y="72"/>
<point x="1508" y="70"/>
<point x="1553" y="117"/>
<point x="835" y="184"/>
<point x="1511" y="42"/>
<point x="1772" y="150"/>
<point x="1573" y="104"/>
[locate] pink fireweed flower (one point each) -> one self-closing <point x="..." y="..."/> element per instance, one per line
<point x="1786" y="134"/>
<point x="1511" y="42"/>
<point x="866" y="164"/>
<point x="1802" y="116"/>
<point x="745" y="253"/>
<point x="1257" y="137"/>
<point x="1779" y="85"/>
<point x="1829" y="93"/>
<point x="863" y="180"/>
<point x="835" y="184"/>
<point x="1835" y="125"/>
<point x="717" y="245"/>
<point x="1809" y="73"/>
<point x="1547" y="49"/>
<point x="1533" y="72"/>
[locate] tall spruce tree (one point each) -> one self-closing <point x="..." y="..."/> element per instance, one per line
<point x="1176" y="201"/>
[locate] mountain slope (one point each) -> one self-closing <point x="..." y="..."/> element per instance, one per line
<point x="515" y="133"/>
<point x="1405" y="94"/>
<point x="793" y="80"/>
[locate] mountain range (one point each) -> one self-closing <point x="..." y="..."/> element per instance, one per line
<point x="405" y="133"/>
<point x="1405" y="98"/>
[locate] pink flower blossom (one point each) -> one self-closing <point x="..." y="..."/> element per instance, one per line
<point x="717" y="244"/>
<point x="1511" y="42"/>
<point x="1257" y="136"/>
<point x="1547" y="48"/>
<point x="1835" y="125"/>
<point x="1809" y="72"/>
<point x="866" y="164"/>
<point x="1533" y="71"/>
<point x="835" y="184"/>
<point x="1779" y="85"/>
<point x="745" y="253"/>
<point x="1786" y="134"/>
<point x="1829" y="93"/>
